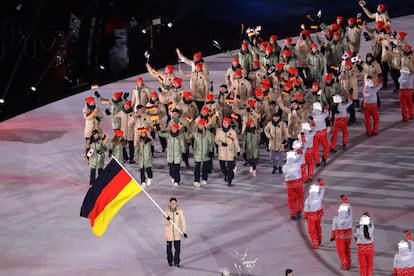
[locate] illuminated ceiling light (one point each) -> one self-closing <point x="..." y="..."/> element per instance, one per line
<point x="33" y="88"/>
<point x="2" y="101"/>
<point x="169" y="24"/>
<point x="101" y="67"/>
<point x="144" y="31"/>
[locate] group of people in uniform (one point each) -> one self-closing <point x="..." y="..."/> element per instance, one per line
<point x="283" y="98"/>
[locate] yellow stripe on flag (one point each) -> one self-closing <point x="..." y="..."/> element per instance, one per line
<point x="104" y="218"/>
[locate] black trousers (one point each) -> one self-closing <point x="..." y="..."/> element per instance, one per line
<point x="395" y="74"/>
<point x="131" y="151"/>
<point x="142" y="172"/>
<point x="177" y="249"/>
<point x="227" y="168"/>
<point x="203" y="168"/>
<point x="92" y="177"/>
<point x="175" y="172"/>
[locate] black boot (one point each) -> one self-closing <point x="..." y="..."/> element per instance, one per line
<point x="323" y="162"/>
<point x="274" y="170"/>
<point x="280" y="170"/>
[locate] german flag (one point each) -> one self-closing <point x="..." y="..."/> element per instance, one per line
<point x="214" y="115"/>
<point x="154" y="117"/>
<point x="104" y="101"/>
<point x="229" y="100"/>
<point x="170" y="105"/>
<point x="160" y="79"/>
<point x="151" y="108"/>
<point x="188" y="119"/>
<point x="235" y="116"/>
<point x="90" y="115"/>
<point x="113" y="188"/>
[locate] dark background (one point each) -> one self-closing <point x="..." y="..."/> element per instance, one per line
<point x="43" y="46"/>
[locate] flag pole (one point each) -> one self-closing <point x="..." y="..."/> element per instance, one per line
<point x="153" y="201"/>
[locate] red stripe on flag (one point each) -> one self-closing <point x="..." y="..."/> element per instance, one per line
<point x="111" y="190"/>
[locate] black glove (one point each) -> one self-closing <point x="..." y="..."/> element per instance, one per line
<point x="110" y="153"/>
<point x="168" y="218"/>
<point x="238" y="153"/>
<point x="210" y="154"/>
<point x="323" y="49"/>
<point x="107" y="112"/>
<point x="185" y="235"/>
<point x="185" y="129"/>
<point x="332" y="239"/>
<point x="98" y="119"/>
<point x="97" y="94"/>
<point x="159" y="89"/>
<point x="238" y="96"/>
<point x="99" y="152"/>
<point x="366" y="36"/>
<point x="224" y="144"/>
<point x="158" y="127"/>
<point x="393" y="45"/>
<point x="212" y="129"/>
<point x="126" y="94"/>
<point x="146" y="140"/>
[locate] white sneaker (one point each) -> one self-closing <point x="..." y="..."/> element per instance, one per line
<point x="149" y="181"/>
<point x="143" y="185"/>
<point x="250" y="169"/>
<point x="254" y="172"/>
<point x="235" y="170"/>
<point x="204" y="182"/>
<point x="172" y="180"/>
<point x="175" y="184"/>
<point x="196" y="184"/>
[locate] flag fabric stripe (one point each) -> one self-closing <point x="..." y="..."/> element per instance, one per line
<point x="110" y="171"/>
<point x="113" y="188"/>
<point x="104" y="217"/>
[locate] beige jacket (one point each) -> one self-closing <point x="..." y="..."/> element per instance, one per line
<point x="171" y="233"/>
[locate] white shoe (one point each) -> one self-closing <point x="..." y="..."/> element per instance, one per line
<point x="254" y="172"/>
<point x="172" y="180"/>
<point x="143" y="185"/>
<point x="235" y="170"/>
<point x="175" y="184"/>
<point x="204" y="182"/>
<point x="250" y="169"/>
<point x="149" y="181"/>
<point x="196" y="184"/>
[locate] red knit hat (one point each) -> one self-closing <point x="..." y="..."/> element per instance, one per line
<point x="197" y="55"/>
<point x="293" y="71"/>
<point x="259" y="92"/>
<point x="256" y="63"/>
<point x="199" y="65"/>
<point x="402" y="34"/>
<point x="201" y="122"/>
<point x="288" y="39"/>
<point x="227" y="120"/>
<point x="287" y="53"/>
<point x="169" y="68"/>
<point x="244" y="44"/>
<point x="351" y="21"/>
<point x="90" y="100"/>
<point x="235" y="60"/>
<point x="177" y="81"/>
<point x="379" y="24"/>
<point x="238" y="73"/>
<point x="187" y="95"/>
<point x="175" y="126"/>
<point x="205" y="109"/>
<point x="128" y="103"/>
<point x="139" y="80"/>
<point x="249" y="122"/>
<point x="344" y="198"/>
<point x="328" y="77"/>
<point x="381" y="7"/>
<point x="280" y="66"/>
<point x="251" y="102"/>
<point x="210" y="97"/>
<point x="118" y="132"/>
<point x="117" y="95"/>
<point x="269" y="48"/>
<point x="273" y="37"/>
<point x="154" y="94"/>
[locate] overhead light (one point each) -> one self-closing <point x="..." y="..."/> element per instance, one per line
<point x="1" y="101"/>
<point x="156" y="21"/>
<point x="144" y="31"/>
<point x="101" y="67"/>
<point x="169" y="24"/>
<point x="19" y="6"/>
<point x="33" y="88"/>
